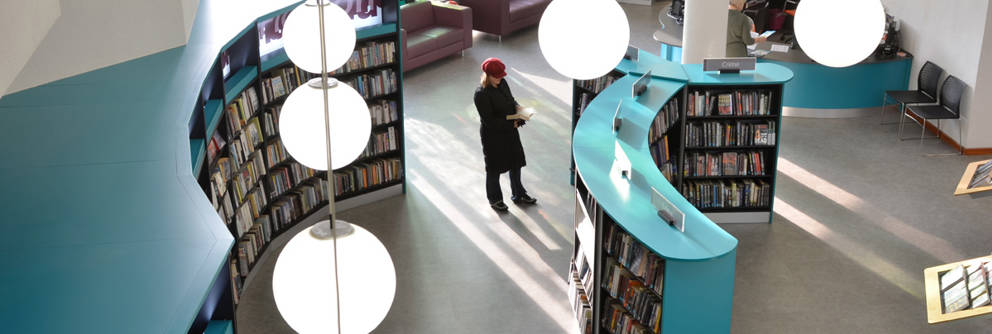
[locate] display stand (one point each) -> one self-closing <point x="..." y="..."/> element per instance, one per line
<point x="935" y="308"/>
<point x="968" y="176"/>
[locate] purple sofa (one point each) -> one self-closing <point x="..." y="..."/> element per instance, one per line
<point x="502" y="17"/>
<point x="433" y="31"/>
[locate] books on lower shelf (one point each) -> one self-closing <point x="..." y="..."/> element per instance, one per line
<point x="647" y="266"/>
<point x="725" y="194"/>
<point x="730" y="134"/>
<point x="725" y="164"/>
<point x="383" y="112"/>
<point x="618" y="321"/>
<point x="378" y="83"/>
<point x="746" y="102"/>
<point x="666" y="118"/>
<point x="360" y="176"/>
<point x="382" y="142"/>
<point x="581" y="305"/>
<point x="241" y="109"/>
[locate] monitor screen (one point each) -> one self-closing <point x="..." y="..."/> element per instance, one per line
<point x="364" y="13"/>
<point x="270" y="34"/>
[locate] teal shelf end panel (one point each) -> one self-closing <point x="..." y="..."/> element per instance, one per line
<point x="275" y="59"/>
<point x="659" y="67"/>
<point x="198" y="150"/>
<point x="238" y="82"/>
<point x="709" y="285"/>
<point x="236" y="38"/>
<point x="212" y="112"/>
<point x="764" y="74"/>
<point x="219" y="327"/>
<point x="376" y="31"/>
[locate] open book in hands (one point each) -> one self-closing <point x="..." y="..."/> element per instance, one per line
<point x="524" y="114"/>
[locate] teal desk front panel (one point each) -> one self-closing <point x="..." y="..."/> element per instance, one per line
<point x="711" y="281"/>
<point x="671" y="53"/>
<point x="859" y="86"/>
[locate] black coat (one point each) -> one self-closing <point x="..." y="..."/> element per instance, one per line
<point x="500" y="140"/>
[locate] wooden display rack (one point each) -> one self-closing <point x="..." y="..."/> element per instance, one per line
<point x="969" y="173"/>
<point x="931" y="283"/>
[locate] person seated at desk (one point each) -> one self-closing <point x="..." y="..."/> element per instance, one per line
<point x="739" y="28"/>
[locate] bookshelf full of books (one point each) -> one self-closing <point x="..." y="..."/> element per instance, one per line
<point x="583" y="91"/>
<point x="254" y="185"/>
<point x="697" y="148"/>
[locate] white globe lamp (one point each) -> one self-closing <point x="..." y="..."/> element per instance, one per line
<point x="301" y="124"/>
<point x="839" y="33"/>
<point x="583" y="39"/>
<point x="303" y="281"/>
<point x="301" y="36"/>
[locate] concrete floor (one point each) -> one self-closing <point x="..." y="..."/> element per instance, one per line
<point x="858" y="215"/>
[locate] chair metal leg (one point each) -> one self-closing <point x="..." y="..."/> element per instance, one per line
<point x="960" y="144"/>
<point x="881" y="115"/>
<point x="902" y="119"/>
<point x="499" y="38"/>
<point x="923" y="130"/>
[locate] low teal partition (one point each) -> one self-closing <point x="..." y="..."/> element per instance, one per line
<point x="859" y="86"/>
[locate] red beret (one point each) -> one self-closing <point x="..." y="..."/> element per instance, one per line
<point x="494" y="67"/>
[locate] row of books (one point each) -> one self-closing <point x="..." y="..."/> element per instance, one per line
<point x="294" y="206"/>
<point x="616" y="320"/>
<point x="372" y="54"/>
<point x="983" y="176"/>
<point x="584" y="270"/>
<point x="581" y="306"/>
<point x="641" y="302"/>
<point x="358" y="177"/>
<point x="729" y="134"/>
<point x="250" y="210"/>
<point x="735" y="103"/>
<point x="378" y="83"/>
<point x="281" y="179"/>
<point x="215" y="145"/>
<point x="668" y="116"/>
<point x="661" y="153"/>
<point x="725" y="164"/>
<point x="382" y="142"/>
<point x="727" y="194"/>
<point x="966" y="286"/>
<point x="246" y="178"/>
<point x="647" y="266"/>
<point x="252" y="243"/>
<point x="241" y="110"/>
<point x="596" y="85"/>
<point x="384" y="112"/>
<point x="282" y="81"/>
<point x="275" y="153"/>
<point x="584" y="99"/>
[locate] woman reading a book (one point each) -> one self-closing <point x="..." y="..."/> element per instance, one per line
<point x="501" y="146"/>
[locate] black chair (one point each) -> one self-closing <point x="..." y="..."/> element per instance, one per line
<point x="926" y="83"/>
<point x="949" y="108"/>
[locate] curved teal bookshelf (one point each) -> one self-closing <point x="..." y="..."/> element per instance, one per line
<point x="699" y="262"/>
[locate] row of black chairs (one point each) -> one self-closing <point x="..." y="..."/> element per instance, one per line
<point x="926" y="104"/>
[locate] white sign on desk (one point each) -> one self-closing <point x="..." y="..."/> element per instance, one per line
<point x="622" y="162"/>
<point x="667" y="211"/>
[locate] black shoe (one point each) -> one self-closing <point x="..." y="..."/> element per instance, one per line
<point x="499" y="206"/>
<point x="524" y="199"/>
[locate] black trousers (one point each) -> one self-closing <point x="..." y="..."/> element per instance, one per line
<point x="493" y="191"/>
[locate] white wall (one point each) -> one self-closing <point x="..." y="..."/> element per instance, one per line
<point x="950" y="34"/>
<point x="92" y="34"/>
<point x="25" y="24"/>
<point x="977" y="127"/>
<point x="189" y="14"/>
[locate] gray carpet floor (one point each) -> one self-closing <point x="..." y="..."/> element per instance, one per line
<point x="858" y="216"/>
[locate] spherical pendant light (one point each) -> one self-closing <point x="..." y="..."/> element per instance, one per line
<point x="583" y="39"/>
<point x="839" y="33"/>
<point x="301" y="36"/>
<point x="303" y="281"/>
<point x="301" y="124"/>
